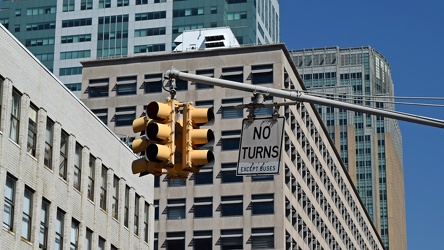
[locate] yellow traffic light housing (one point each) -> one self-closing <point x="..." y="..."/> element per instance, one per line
<point x="193" y="137"/>
<point x="160" y="132"/>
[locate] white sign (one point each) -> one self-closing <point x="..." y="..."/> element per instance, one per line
<point x="260" y="147"/>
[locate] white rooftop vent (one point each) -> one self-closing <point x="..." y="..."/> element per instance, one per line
<point x="202" y="39"/>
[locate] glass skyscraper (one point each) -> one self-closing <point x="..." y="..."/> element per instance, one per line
<point x="61" y="33"/>
<point x="370" y="146"/>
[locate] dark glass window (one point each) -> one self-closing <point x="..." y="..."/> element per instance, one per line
<point x="262" y="74"/>
<point x="231" y="206"/>
<point x="228" y="173"/>
<point x="203" y="207"/>
<point x="153" y="83"/>
<point x="262" y="204"/>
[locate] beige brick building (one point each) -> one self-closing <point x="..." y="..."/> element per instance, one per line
<point x="65" y="177"/>
<point x="310" y="204"/>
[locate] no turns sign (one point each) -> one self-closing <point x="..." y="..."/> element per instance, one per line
<point x="260" y="147"/>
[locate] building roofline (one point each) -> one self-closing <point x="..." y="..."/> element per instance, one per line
<point x="2" y="28"/>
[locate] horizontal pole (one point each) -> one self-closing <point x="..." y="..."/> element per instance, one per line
<point x="301" y="97"/>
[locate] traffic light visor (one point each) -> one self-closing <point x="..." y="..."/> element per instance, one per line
<point x="158" y="111"/>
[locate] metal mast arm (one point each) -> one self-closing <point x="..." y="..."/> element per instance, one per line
<point x="301" y="97"/>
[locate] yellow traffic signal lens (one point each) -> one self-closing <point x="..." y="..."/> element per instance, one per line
<point x="201" y="116"/>
<point x="158" y="152"/>
<point x="139" y="145"/>
<point x="139" y="124"/>
<point x="202" y="136"/>
<point x="158" y="111"/>
<point x="201" y="158"/>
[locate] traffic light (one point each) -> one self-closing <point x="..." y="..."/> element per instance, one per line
<point x="157" y="143"/>
<point x="193" y="137"/>
<point x="160" y="132"/>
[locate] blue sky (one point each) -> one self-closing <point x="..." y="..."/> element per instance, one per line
<point x="410" y="35"/>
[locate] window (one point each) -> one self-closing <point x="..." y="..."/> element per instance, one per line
<point x="156" y="241"/>
<point x="75" y="54"/>
<point x="262" y="178"/>
<point x="136" y="214"/>
<point x="126" y="85"/>
<point x="153" y="83"/>
<point x="68" y="5"/>
<point x="150" y="15"/>
<point x="44" y="223"/>
<point x="98" y="88"/>
<point x="202" y="240"/>
<point x="8" y="214"/>
<point x="235" y="74"/>
<point x="204" y="72"/>
<point x="74" y="234"/>
<point x="86" y="4"/>
<point x="104" y="4"/>
<point x="228" y="173"/>
<point x="231" y="205"/>
<point x="176" y="209"/>
<point x="27" y="214"/>
<point x="156" y="209"/>
<point x="149" y="48"/>
<point x="230" y="140"/>
<point x="236" y="15"/>
<point x="59" y="229"/>
<point x="48" y="143"/>
<point x="262" y="74"/>
<point x="77" y="166"/>
<point x="231" y="239"/>
<point x="91" y="176"/>
<point x="204" y="176"/>
<point x="176" y="182"/>
<point x="32" y="130"/>
<point x="76" y="22"/>
<point x="146" y="213"/>
<point x="122" y="3"/>
<point x="1" y="95"/>
<point x="126" y="215"/>
<point x="262" y="238"/>
<point x="115" y="204"/>
<point x="262" y="204"/>
<point x="15" y="116"/>
<point x="150" y="32"/>
<point x="188" y="12"/>
<point x="125" y="116"/>
<point x="88" y="239"/>
<point x="102" y="114"/>
<point x="63" y="165"/>
<point x="103" y="187"/>
<point x="102" y="243"/>
<point x="181" y="85"/>
<point x="228" y="108"/>
<point x="203" y="207"/>
<point x="139" y="2"/>
<point x="70" y="71"/>
<point x="76" y="38"/>
<point x="175" y="240"/>
<point x="39" y="26"/>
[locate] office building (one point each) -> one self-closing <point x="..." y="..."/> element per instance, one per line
<point x="61" y="33"/>
<point x="310" y="204"/>
<point x="370" y="146"/>
<point x="65" y="178"/>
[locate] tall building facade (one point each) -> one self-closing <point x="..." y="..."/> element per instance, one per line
<point x="61" y="33"/>
<point x="310" y="204"/>
<point x="65" y="178"/>
<point x="370" y="146"/>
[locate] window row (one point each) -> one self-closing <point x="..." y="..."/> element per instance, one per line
<point x="260" y="74"/>
<point x="69" y="5"/>
<point x="260" y="238"/>
<point x="30" y="201"/>
<point x="175" y="209"/>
